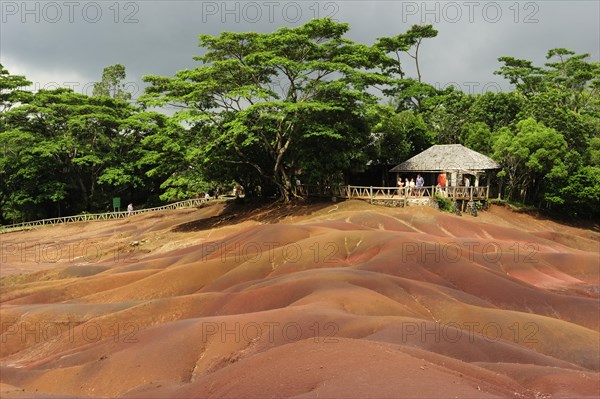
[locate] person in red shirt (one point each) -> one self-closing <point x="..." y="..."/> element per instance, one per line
<point x="441" y="179"/>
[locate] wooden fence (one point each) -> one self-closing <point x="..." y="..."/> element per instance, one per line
<point x="391" y="196"/>
<point x="98" y="216"/>
<point x="402" y="195"/>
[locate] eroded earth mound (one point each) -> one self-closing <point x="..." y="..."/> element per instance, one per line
<point x="322" y="300"/>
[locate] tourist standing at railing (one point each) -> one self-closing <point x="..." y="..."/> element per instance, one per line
<point x="420" y="183"/>
<point x="129" y="209"/>
<point x="400" y="185"/>
<point x="441" y="179"/>
<point x="412" y="187"/>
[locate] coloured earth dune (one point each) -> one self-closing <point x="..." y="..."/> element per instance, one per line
<point x="318" y="300"/>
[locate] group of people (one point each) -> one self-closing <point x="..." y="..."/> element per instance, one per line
<point x="415" y="187"/>
<point x="411" y="187"/>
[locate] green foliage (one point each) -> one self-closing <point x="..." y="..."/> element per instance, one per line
<point x="111" y="84"/>
<point x="527" y="78"/>
<point x="540" y="157"/>
<point x="565" y="95"/>
<point x="594" y="152"/>
<point x="579" y="194"/>
<point x="446" y="113"/>
<point x="477" y="136"/>
<point x="274" y="101"/>
<point x="12" y="89"/>
<point x="397" y="136"/>
<point x="530" y="155"/>
<point x="445" y="204"/>
<point x="576" y="127"/>
<point x="496" y="110"/>
<point x="572" y="75"/>
<point x="407" y="43"/>
<point x="267" y="109"/>
<point x="65" y="153"/>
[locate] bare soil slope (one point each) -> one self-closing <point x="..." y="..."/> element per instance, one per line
<point x="321" y="300"/>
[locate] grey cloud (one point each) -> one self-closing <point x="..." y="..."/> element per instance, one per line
<point x="160" y="37"/>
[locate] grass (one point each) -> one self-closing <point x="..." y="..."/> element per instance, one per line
<point x="515" y="206"/>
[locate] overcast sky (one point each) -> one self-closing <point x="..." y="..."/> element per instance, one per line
<point x="68" y="43"/>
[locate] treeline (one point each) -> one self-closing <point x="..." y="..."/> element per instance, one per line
<point x="264" y="110"/>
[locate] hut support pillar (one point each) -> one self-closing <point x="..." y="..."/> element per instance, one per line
<point x="453" y="179"/>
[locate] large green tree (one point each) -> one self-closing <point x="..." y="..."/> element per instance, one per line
<point x="279" y="103"/>
<point x="406" y="92"/>
<point x="564" y="94"/>
<point x="532" y="155"/>
<point x="65" y="152"/>
<point x="578" y="195"/>
<point x="563" y="98"/>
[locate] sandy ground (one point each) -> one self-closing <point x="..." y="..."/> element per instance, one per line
<point x="320" y="300"/>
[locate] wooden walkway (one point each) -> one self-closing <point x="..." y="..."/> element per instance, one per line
<point x="387" y="196"/>
<point x="392" y="196"/>
<point x="98" y="216"/>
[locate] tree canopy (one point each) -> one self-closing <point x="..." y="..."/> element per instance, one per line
<point x="267" y="110"/>
<point x="264" y="99"/>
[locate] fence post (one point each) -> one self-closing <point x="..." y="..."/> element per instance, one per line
<point x="371" y="193"/>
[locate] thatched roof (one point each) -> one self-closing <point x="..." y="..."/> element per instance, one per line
<point x="450" y="157"/>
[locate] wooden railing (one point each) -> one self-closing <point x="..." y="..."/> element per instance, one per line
<point x="391" y="193"/>
<point x="98" y="216"/>
<point x="468" y="192"/>
<point x="350" y="192"/>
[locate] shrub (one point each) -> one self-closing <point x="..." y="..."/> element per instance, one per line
<point x="444" y="203"/>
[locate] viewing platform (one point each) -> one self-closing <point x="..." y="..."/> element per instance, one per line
<point x="394" y="196"/>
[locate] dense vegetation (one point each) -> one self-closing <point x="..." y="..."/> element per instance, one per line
<point x="263" y="110"/>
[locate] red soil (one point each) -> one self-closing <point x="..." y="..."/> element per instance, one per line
<point x="345" y="300"/>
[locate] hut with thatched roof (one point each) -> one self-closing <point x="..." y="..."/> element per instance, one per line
<point x="455" y="160"/>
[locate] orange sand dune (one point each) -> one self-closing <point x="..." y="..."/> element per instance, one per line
<point x="344" y="300"/>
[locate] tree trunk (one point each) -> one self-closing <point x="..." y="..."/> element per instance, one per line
<point x="285" y="192"/>
<point x="84" y="193"/>
<point x="92" y="192"/>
